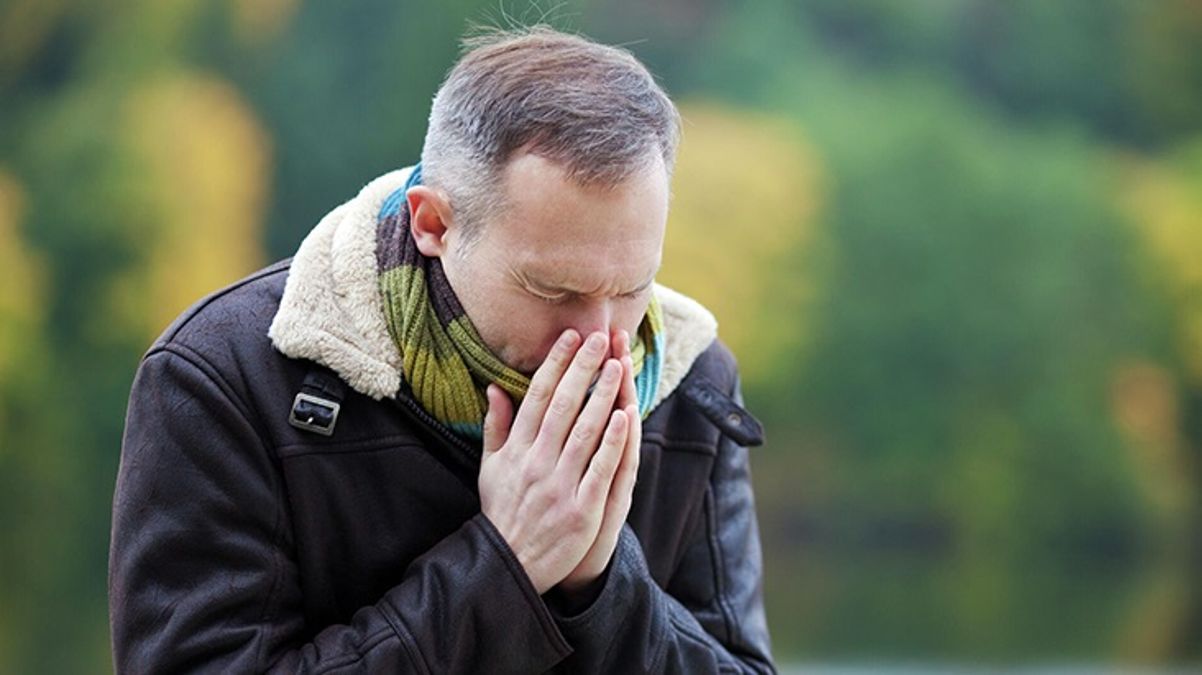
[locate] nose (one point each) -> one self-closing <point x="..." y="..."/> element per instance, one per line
<point x="591" y="316"/>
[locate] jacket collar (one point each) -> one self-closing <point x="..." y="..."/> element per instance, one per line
<point x="332" y="311"/>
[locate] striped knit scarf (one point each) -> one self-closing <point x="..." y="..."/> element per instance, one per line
<point x="443" y="360"/>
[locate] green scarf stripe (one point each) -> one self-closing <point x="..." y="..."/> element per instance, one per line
<point x="443" y="359"/>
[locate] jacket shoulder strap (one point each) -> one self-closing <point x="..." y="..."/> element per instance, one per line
<point x="730" y="417"/>
<point x="318" y="403"/>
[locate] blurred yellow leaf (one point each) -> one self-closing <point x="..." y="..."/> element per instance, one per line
<point x="22" y="295"/>
<point x="745" y="191"/>
<point x="1165" y="202"/>
<point x="207" y="162"/>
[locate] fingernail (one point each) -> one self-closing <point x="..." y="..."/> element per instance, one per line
<point x="568" y="338"/>
<point x="611" y="372"/>
<point x="596" y="342"/>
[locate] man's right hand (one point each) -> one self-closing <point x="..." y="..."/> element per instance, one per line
<point x="546" y="475"/>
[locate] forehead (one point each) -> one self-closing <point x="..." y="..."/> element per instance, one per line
<point x="553" y="228"/>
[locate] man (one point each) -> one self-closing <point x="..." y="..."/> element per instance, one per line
<point x="414" y="446"/>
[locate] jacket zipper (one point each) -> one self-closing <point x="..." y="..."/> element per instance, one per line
<point x="469" y="454"/>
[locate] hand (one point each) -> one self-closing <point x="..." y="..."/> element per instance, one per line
<point x="617" y="506"/>
<point x="545" y="479"/>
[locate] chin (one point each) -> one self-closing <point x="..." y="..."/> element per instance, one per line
<point x="525" y="366"/>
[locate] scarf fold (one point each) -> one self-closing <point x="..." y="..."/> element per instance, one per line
<point x="443" y="359"/>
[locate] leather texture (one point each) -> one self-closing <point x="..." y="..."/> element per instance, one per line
<point x="242" y="543"/>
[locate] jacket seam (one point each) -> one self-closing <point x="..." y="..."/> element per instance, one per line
<point x="685" y="629"/>
<point x="203" y="367"/>
<point x="367" y="644"/>
<point x="662" y="651"/>
<point x="722" y="454"/>
<point x="277" y="574"/>
<point x="696" y="447"/>
<point x="719" y="562"/>
<point x="213" y="373"/>
<point x="405" y="637"/>
<point x="393" y="442"/>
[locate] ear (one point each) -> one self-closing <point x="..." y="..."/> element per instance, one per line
<point x="430" y="219"/>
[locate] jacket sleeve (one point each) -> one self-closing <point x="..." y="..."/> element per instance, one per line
<point x="201" y="576"/>
<point x="709" y="620"/>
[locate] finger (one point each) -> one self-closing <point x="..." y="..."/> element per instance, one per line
<point x="586" y="432"/>
<point x="542" y="387"/>
<point x="498" y="418"/>
<point x="634" y="440"/>
<point x="628" y="394"/>
<point x="594" y="487"/>
<point x="621" y="493"/>
<point x="570" y="392"/>
<point x="615" y="341"/>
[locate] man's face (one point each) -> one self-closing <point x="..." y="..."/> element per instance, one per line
<point x="560" y="256"/>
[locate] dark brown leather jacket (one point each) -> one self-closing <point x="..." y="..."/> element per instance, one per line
<point x="242" y="542"/>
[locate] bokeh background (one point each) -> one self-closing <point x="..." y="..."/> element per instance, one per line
<point x="956" y="245"/>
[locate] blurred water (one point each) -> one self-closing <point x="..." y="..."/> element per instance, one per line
<point x="879" y="611"/>
<point x="966" y="669"/>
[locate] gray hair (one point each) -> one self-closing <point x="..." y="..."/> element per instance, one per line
<point x="591" y="109"/>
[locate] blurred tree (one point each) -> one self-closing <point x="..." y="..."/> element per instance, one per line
<point x="206" y="163"/>
<point x="346" y="97"/>
<point x="1165" y="201"/>
<point x="22" y="360"/>
<point x="746" y="190"/>
<point x="1128" y="69"/>
<point x="129" y="165"/>
<point x="981" y="295"/>
<point x="961" y="353"/>
<point x="22" y="296"/>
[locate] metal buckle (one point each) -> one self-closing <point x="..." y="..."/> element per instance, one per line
<point x="314" y="413"/>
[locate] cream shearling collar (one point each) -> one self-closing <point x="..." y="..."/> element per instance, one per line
<point x="332" y="310"/>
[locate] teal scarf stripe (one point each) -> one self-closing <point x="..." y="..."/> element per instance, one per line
<point x="647" y="381"/>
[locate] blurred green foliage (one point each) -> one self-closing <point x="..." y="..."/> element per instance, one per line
<point x="968" y="295"/>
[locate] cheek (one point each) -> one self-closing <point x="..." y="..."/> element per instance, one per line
<point x="529" y="330"/>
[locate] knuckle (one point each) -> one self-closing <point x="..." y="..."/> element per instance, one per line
<point x="560" y="405"/>
<point x="544" y="500"/>
<point x="609" y="464"/>
<point x="538" y="392"/>
<point x="614" y="435"/>
<point x="584" y="431"/>
<point x="576" y="521"/>
<point x="530" y="474"/>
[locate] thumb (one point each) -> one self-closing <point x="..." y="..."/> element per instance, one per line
<point x="498" y="419"/>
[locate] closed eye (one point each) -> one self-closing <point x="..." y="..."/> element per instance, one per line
<point x="565" y="297"/>
<point x="551" y="299"/>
